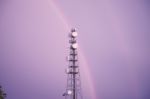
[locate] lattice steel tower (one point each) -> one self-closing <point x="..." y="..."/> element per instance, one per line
<point x="73" y="90"/>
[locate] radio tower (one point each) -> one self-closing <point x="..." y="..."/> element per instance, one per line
<point x="73" y="90"/>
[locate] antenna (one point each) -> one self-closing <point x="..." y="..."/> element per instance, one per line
<point x="73" y="90"/>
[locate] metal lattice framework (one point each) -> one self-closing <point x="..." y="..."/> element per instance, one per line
<point x="73" y="90"/>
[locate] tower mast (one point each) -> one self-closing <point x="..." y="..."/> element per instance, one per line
<point x="73" y="90"/>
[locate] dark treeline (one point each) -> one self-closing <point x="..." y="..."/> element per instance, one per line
<point x="2" y="93"/>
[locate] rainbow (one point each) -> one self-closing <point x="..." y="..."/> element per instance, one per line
<point x="124" y="46"/>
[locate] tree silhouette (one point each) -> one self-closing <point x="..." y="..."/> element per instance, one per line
<point x="2" y="93"/>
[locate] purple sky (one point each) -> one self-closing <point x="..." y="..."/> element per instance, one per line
<point x="114" y="37"/>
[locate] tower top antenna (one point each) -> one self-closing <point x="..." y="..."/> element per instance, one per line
<point x="73" y="90"/>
